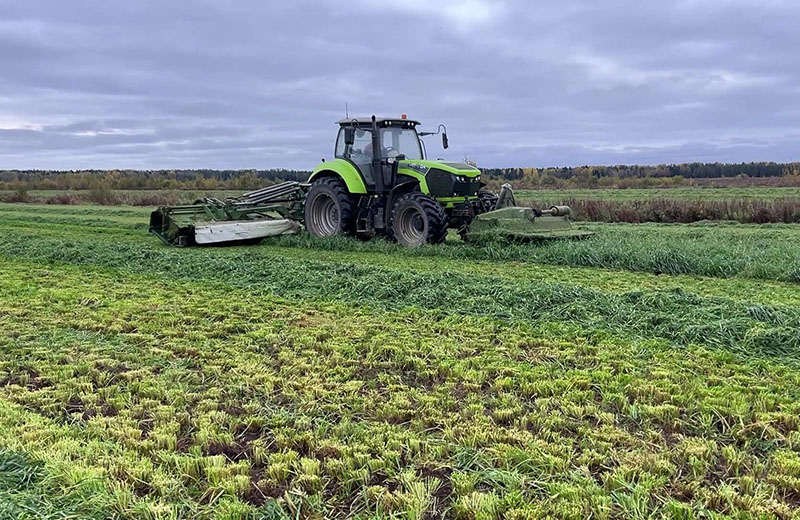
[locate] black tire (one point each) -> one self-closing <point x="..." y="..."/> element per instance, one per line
<point x="417" y="219"/>
<point x="329" y="208"/>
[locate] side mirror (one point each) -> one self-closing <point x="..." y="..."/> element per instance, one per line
<point x="349" y="135"/>
<point x="444" y="140"/>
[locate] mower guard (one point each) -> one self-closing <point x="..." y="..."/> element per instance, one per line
<point x="516" y="223"/>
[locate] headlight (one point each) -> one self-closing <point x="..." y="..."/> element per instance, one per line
<point x="460" y="178"/>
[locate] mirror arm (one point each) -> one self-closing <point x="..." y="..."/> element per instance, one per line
<point x="440" y="130"/>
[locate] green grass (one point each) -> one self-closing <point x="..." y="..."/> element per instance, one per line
<point x="709" y="249"/>
<point x="26" y="494"/>
<point x="724" y="250"/>
<point x="131" y="222"/>
<point x="672" y="314"/>
<point x="299" y="379"/>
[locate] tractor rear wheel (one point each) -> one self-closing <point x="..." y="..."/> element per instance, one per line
<point x="417" y="219"/>
<point x="329" y="208"/>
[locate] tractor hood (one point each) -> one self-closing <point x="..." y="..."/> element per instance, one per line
<point x="424" y="166"/>
<point x="442" y="179"/>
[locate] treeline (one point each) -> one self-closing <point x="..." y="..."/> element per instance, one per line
<point x="638" y="176"/>
<point x="618" y="176"/>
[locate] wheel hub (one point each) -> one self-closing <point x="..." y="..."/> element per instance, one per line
<point x="410" y="226"/>
<point x="325" y="215"/>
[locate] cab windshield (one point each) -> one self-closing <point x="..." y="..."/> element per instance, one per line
<point x="400" y="141"/>
<point x="394" y="141"/>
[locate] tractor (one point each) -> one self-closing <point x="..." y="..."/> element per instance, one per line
<point x="380" y="182"/>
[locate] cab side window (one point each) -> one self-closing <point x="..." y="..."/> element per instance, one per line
<point x="359" y="151"/>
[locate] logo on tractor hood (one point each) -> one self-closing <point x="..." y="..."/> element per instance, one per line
<point x="421" y="168"/>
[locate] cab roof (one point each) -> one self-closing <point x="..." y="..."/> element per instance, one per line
<point x="382" y="121"/>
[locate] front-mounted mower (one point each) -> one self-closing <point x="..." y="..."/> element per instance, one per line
<point x="379" y="183"/>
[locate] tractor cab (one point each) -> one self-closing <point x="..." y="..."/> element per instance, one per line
<point x="374" y="148"/>
<point x="397" y="137"/>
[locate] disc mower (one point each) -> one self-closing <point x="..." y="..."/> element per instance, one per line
<point x="380" y="183"/>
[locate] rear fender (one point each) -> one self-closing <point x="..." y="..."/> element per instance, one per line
<point x="345" y="171"/>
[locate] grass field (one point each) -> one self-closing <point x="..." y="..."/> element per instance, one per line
<point x="669" y="205"/>
<point x="649" y="371"/>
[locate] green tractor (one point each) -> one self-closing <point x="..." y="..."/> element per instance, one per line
<point x="379" y="183"/>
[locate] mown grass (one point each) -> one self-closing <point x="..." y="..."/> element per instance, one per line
<point x="723" y="250"/>
<point x="715" y="250"/>
<point x="307" y="379"/>
<point x="25" y="494"/>
<point x="195" y="400"/>
<point x="129" y="223"/>
<point x="675" y="315"/>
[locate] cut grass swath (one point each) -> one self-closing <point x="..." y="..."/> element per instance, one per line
<point x="252" y="383"/>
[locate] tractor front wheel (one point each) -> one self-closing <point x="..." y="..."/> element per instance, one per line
<point x="329" y="208"/>
<point x="417" y="219"/>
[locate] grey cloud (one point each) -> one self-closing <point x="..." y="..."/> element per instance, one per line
<point x="168" y="84"/>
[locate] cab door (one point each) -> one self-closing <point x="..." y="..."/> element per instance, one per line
<point x="359" y="154"/>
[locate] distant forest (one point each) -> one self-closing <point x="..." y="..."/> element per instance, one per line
<point x="636" y="176"/>
<point x="622" y="176"/>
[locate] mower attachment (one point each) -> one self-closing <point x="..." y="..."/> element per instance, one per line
<point x="511" y="222"/>
<point x="276" y="210"/>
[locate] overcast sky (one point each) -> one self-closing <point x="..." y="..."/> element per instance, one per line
<point x="259" y="84"/>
